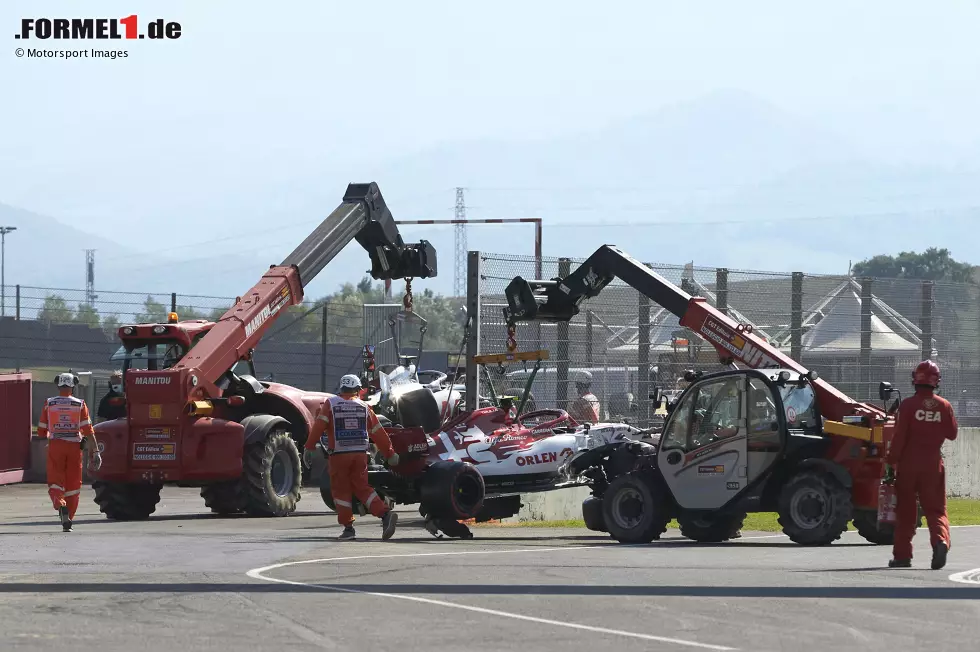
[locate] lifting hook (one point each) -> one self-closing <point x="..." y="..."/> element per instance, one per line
<point x="407" y="300"/>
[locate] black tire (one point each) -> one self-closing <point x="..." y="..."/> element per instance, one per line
<point x="866" y="523"/>
<point x="711" y="529"/>
<point x="272" y="475"/>
<point x="814" y="508"/>
<point x="592" y="514"/>
<point x="327" y="495"/>
<point x="633" y="510"/>
<point x="418" y="408"/>
<point x="225" y="497"/>
<point x="452" y="490"/>
<point x="126" y="501"/>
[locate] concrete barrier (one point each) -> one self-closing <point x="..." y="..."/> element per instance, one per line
<point x="963" y="464"/>
<point x="962" y="481"/>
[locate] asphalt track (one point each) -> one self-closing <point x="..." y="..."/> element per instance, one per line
<point x="186" y="580"/>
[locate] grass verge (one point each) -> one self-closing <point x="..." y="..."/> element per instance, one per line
<point x="962" y="511"/>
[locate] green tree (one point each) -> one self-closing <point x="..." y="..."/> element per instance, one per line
<point x="154" y="312"/>
<point x="110" y="326"/>
<point x="88" y="315"/>
<point x="931" y="265"/>
<point x="55" y="310"/>
<point x="187" y="312"/>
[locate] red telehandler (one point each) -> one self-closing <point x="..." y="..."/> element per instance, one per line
<point x="195" y="413"/>
<point x="768" y="437"/>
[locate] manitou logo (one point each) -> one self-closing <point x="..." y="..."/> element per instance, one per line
<point x="257" y="321"/>
<point x="738" y="346"/>
<point x="153" y="380"/>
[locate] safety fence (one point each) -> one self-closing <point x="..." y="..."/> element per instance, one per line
<point x="310" y="346"/>
<point x="855" y="332"/>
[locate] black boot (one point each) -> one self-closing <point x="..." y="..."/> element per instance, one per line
<point x="347" y="534"/>
<point x="939" y="555"/>
<point x="65" y="521"/>
<point x="900" y="563"/>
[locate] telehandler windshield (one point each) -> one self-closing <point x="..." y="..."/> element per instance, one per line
<point x="148" y="356"/>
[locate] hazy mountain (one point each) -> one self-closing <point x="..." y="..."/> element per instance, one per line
<point x="725" y="157"/>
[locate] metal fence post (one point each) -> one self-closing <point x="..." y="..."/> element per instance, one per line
<point x="473" y="316"/>
<point x="173" y="302"/>
<point x="588" y="337"/>
<point x="323" y="348"/>
<point x="721" y="289"/>
<point x="865" y="359"/>
<point x="925" y="320"/>
<point x="562" y="359"/>
<point x="643" y="361"/>
<point x="796" y="318"/>
<point x="18" y="303"/>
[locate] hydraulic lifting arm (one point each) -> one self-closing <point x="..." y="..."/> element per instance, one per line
<point x="558" y="300"/>
<point x="361" y="216"/>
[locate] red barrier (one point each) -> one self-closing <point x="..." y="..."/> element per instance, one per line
<point x="15" y="427"/>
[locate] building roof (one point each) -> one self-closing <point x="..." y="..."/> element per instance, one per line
<point x="833" y="325"/>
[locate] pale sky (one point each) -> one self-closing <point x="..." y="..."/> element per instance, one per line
<point x="254" y="110"/>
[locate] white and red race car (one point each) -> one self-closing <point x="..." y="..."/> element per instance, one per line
<point x="479" y="463"/>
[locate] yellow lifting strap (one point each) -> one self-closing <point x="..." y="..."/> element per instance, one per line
<point x="500" y="358"/>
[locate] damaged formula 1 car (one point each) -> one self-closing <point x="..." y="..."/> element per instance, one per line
<point x="477" y="464"/>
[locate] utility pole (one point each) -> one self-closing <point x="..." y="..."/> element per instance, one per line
<point x="459" y="288"/>
<point x="90" y="295"/>
<point x="4" y="230"/>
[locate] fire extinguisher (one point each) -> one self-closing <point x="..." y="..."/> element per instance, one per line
<point x="887" y="501"/>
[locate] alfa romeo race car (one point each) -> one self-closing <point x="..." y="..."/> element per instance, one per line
<point x="479" y="464"/>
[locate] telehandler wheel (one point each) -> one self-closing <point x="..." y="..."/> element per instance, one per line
<point x="272" y="475"/>
<point x="634" y="510"/>
<point x="866" y="523"/>
<point x="121" y="501"/>
<point x="592" y="514"/>
<point x="814" y="508"/>
<point x="711" y="529"/>
<point x="225" y="497"/>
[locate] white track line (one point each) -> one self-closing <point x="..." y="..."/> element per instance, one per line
<point x="258" y="575"/>
<point x="967" y="577"/>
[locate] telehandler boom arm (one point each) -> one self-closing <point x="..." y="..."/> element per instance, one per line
<point x="361" y="216"/>
<point x="558" y="300"/>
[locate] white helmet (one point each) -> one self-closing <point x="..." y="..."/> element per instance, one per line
<point x="65" y="380"/>
<point x="350" y="382"/>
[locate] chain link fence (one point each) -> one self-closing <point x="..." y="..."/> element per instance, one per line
<point x="854" y="332"/>
<point x="49" y="330"/>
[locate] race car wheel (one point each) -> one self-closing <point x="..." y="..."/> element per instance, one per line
<point x="592" y="514"/>
<point x="711" y="529"/>
<point x="418" y="408"/>
<point x="452" y="489"/>
<point x="814" y="508"/>
<point x="327" y="495"/>
<point x="121" y="501"/>
<point x="633" y="510"/>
